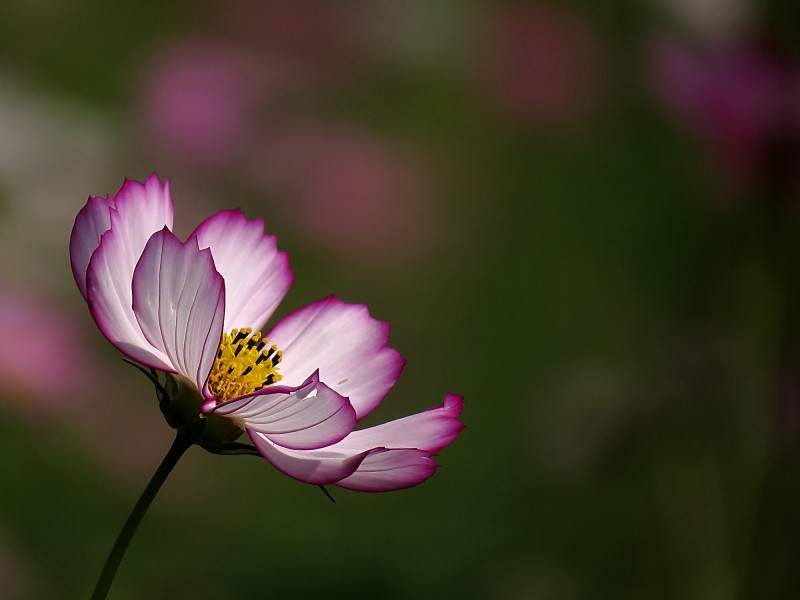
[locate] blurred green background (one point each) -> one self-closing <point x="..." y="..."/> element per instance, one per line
<point x="581" y="216"/>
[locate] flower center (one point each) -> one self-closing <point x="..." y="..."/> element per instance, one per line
<point x="243" y="365"/>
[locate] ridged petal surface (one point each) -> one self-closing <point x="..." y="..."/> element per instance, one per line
<point x="256" y="275"/>
<point x="179" y="302"/>
<point x="345" y="344"/>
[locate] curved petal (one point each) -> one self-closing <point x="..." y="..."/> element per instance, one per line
<point x="385" y="456"/>
<point x="93" y="220"/>
<point x="140" y="209"/>
<point x="256" y="275"/>
<point x="430" y="430"/>
<point x="179" y="302"/>
<point x="346" y="344"/>
<point x="388" y="470"/>
<point x="319" y="467"/>
<point x="310" y="416"/>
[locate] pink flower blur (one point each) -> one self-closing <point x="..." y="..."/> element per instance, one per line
<point x="199" y="98"/>
<point x="737" y="98"/>
<point x="541" y="64"/>
<point x="43" y="361"/>
<point x="350" y="190"/>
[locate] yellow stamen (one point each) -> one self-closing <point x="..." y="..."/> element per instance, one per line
<point x="244" y="364"/>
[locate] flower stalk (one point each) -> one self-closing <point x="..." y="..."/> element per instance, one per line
<point x="179" y="446"/>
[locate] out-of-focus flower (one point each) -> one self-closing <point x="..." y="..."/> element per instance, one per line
<point x="351" y="191"/>
<point x="199" y="100"/>
<point x="202" y="97"/>
<point x="24" y="315"/>
<point x="740" y="100"/>
<point x="191" y="309"/>
<point x="224" y="106"/>
<point x="540" y="64"/>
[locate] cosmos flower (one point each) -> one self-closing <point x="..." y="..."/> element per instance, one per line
<point x="194" y="309"/>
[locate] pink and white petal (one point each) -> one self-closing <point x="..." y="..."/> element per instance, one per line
<point x="346" y="344"/>
<point x="256" y="275"/>
<point x="378" y="468"/>
<point x="385" y="470"/>
<point x="92" y="221"/>
<point x="430" y="430"/>
<point x="319" y="467"/>
<point x="138" y="211"/>
<point x="110" y="299"/>
<point x="179" y="303"/>
<point x="303" y="418"/>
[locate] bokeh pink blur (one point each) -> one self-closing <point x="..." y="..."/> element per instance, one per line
<point x="542" y="64"/>
<point x="739" y="98"/>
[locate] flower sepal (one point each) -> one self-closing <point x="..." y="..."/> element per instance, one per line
<point x="180" y="404"/>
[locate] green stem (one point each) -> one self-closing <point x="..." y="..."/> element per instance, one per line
<point x="179" y="446"/>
